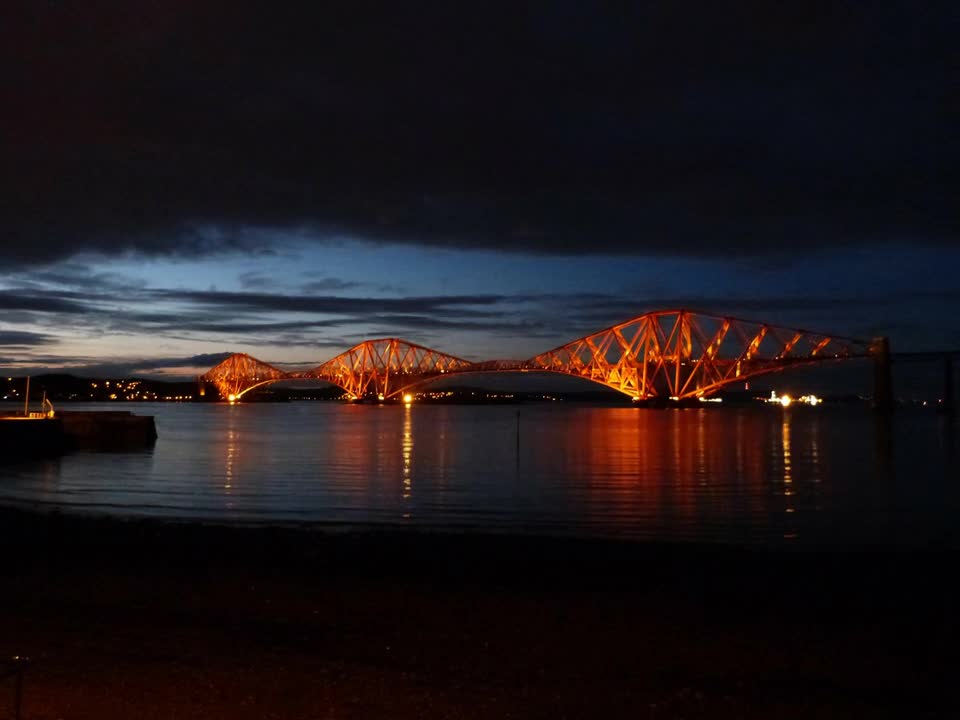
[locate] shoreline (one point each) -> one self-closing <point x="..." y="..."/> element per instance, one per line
<point x="147" y="618"/>
<point x="32" y="514"/>
<point x="29" y="515"/>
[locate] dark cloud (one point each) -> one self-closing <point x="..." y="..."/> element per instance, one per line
<point x="326" y="304"/>
<point x="173" y="323"/>
<point x="328" y="284"/>
<point x="77" y="276"/>
<point x="687" y="128"/>
<point x="23" y="339"/>
<point x="256" y="281"/>
<point x="319" y="283"/>
<point x="394" y="324"/>
<point x="289" y="319"/>
<point x="860" y="317"/>
<point x="81" y="300"/>
<point x="622" y="305"/>
<point x="124" y="367"/>
<point x="189" y="361"/>
<point x="40" y="302"/>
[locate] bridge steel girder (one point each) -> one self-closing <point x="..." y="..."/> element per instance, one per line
<point x="681" y="354"/>
<point x="383" y="368"/>
<point x="239" y="374"/>
<point x="668" y="353"/>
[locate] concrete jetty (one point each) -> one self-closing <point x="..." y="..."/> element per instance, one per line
<point x="40" y="435"/>
<point x="107" y="429"/>
<point x="24" y="437"/>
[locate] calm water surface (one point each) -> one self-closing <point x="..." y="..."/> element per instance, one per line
<point x="758" y="476"/>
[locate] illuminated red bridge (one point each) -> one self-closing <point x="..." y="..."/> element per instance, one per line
<point x="672" y="354"/>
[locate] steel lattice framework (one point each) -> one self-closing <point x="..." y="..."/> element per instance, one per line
<point x="665" y="354"/>
<point x="240" y="373"/>
<point x="680" y="354"/>
<point x="386" y="367"/>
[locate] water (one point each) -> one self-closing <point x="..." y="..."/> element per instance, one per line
<point x="756" y="476"/>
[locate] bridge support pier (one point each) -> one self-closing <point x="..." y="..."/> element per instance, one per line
<point x="882" y="382"/>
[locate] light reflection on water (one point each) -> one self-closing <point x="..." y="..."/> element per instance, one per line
<point x="757" y="476"/>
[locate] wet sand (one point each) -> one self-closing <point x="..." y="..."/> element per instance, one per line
<point x="151" y="620"/>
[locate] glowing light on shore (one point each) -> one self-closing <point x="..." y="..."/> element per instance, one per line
<point x="408" y="398"/>
<point x="231" y="398"/>
<point x="786" y="400"/>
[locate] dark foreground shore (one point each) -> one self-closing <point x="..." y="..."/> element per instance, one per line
<point x="149" y="620"/>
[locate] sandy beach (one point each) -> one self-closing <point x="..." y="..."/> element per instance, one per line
<point x="154" y="620"/>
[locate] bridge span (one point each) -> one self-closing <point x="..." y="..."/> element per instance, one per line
<point x="674" y="354"/>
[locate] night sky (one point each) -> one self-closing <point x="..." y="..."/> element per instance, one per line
<point x="181" y="180"/>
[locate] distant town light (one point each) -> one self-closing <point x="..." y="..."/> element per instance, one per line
<point x="785" y="400"/>
<point x="408" y="398"/>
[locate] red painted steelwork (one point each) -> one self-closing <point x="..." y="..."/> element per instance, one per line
<point x="669" y="354"/>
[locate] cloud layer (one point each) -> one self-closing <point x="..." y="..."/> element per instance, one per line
<point x="698" y="129"/>
<point x="87" y="321"/>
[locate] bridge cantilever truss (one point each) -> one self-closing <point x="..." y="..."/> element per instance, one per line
<point x="241" y="373"/>
<point x="670" y="353"/>
<point x="680" y="354"/>
<point x="375" y="368"/>
<point x="383" y="368"/>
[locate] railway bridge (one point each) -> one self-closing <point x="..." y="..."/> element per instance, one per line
<point x="668" y="354"/>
